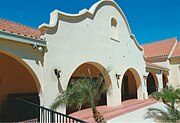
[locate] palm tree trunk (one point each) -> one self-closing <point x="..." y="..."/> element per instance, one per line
<point x="98" y="117"/>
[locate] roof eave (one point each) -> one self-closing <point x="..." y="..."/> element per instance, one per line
<point x="155" y="57"/>
<point x="173" y="57"/>
<point x="22" y="39"/>
<point x="158" y="68"/>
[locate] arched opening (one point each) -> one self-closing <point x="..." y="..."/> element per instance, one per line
<point x="114" y="30"/>
<point x="165" y="80"/>
<point x="152" y="83"/>
<point x="130" y="84"/>
<point x="95" y="69"/>
<point x="16" y="81"/>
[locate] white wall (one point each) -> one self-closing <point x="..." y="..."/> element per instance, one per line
<point x="165" y="64"/>
<point x="175" y="72"/>
<point x="73" y="42"/>
<point x="31" y="58"/>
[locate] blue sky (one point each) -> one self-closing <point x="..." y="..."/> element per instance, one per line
<point x="149" y="20"/>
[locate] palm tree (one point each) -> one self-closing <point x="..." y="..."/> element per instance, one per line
<point x="170" y="97"/>
<point x="84" y="91"/>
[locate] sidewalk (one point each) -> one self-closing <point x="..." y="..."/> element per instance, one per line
<point x="110" y="112"/>
<point x="137" y="116"/>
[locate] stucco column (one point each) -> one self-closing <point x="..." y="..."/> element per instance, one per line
<point x="168" y="77"/>
<point x="160" y="81"/>
<point x="114" y="96"/>
<point x="145" y="93"/>
<point x="178" y="80"/>
<point x="41" y="98"/>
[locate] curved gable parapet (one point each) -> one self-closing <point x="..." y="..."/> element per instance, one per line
<point x="135" y="41"/>
<point x="86" y="14"/>
<point x="82" y="14"/>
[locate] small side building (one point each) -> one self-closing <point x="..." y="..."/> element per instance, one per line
<point x="21" y="66"/>
<point x="165" y="54"/>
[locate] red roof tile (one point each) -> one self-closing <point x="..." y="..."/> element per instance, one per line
<point x="176" y="52"/>
<point x="160" y="48"/>
<point x="12" y="27"/>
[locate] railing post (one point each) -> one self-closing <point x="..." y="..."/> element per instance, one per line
<point x="52" y="117"/>
<point x="38" y="118"/>
<point x="41" y="117"/>
<point x="47" y="115"/>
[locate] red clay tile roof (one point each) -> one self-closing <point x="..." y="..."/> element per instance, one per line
<point x="155" y="65"/>
<point x="12" y="27"/>
<point x="176" y="52"/>
<point x="160" y="48"/>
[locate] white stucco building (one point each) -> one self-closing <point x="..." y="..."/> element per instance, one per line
<point x="98" y="38"/>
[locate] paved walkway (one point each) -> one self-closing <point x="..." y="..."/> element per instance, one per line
<point x="112" y="112"/>
<point x="137" y="116"/>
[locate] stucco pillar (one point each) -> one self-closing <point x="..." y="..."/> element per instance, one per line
<point x="160" y="81"/>
<point x="168" y="77"/>
<point x="144" y="82"/>
<point x="178" y="80"/>
<point x="41" y="98"/>
<point x="114" y="96"/>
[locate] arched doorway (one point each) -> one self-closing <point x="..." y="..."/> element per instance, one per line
<point x="16" y="81"/>
<point x="152" y="83"/>
<point x="165" y="80"/>
<point x="82" y="70"/>
<point x="130" y="84"/>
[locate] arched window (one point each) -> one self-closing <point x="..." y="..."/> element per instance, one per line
<point x="114" y="30"/>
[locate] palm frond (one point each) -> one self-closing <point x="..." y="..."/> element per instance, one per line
<point x="107" y="70"/>
<point x="86" y="90"/>
<point x="170" y="97"/>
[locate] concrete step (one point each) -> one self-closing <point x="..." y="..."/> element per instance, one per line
<point x="110" y="112"/>
<point x="124" y="110"/>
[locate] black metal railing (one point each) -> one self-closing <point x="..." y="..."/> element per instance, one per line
<point x="38" y="113"/>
